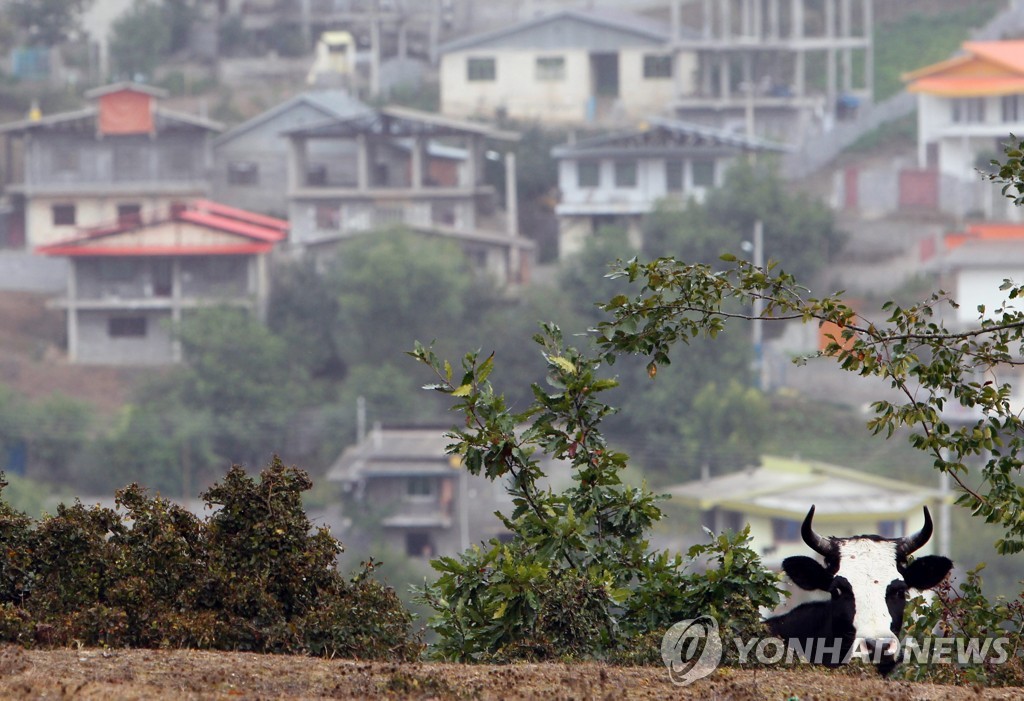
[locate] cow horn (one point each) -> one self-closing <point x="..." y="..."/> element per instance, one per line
<point x="910" y="543"/>
<point x="822" y="546"/>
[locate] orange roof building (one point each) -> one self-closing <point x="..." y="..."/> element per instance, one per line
<point x="968" y="106"/>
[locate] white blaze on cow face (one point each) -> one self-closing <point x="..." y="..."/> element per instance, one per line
<point x="869" y="566"/>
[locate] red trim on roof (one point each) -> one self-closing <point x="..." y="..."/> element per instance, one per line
<point x="122" y="251"/>
<point x="232" y="226"/>
<point x="259" y="233"/>
<point x="985" y="232"/>
<point x="240" y="214"/>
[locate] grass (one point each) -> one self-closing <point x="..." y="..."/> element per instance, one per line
<point x="920" y="40"/>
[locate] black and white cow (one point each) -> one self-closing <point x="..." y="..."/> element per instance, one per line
<point x="868" y="578"/>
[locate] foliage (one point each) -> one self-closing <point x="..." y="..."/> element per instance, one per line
<point x="250" y="577"/>
<point x="797" y="228"/>
<point x="47" y="22"/>
<point x="420" y="286"/>
<point x="140" y="39"/>
<point x="577" y="577"/>
<point x="917" y="40"/>
<point x="967" y="615"/>
<point x="930" y="365"/>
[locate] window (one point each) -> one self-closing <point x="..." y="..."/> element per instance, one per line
<point x="129" y="213"/>
<point x="785" y="531"/>
<point x="892" y="528"/>
<point x="550" y="68"/>
<point x="1013" y="108"/>
<point x="126" y="327"/>
<point x="63" y="214"/>
<point x="588" y="174"/>
<point x="419" y="544"/>
<point x="674" y="176"/>
<point x="625" y="173"/>
<point x="419" y="487"/>
<point x="657" y="66"/>
<point x="243" y="173"/>
<point x="480" y="69"/>
<point x="328" y="217"/>
<point x="969" y="110"/>
<point x="704" y="173"/>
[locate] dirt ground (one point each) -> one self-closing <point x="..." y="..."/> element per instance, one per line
<point x="115" y="675"/>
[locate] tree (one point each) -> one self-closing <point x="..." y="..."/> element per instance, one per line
<point x="797" y="229"/>
<point x="48" y="22"/>
<point x="395" y="286"/>
<point x="140" y="39"/>
<point x="577" y="577"/>
<point x="930" y="365"/>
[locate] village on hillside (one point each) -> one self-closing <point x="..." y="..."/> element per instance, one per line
<point x="250" y="160"/>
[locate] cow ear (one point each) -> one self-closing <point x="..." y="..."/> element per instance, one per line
<point x="925" y="572"/>
<point x="807" y="573"/>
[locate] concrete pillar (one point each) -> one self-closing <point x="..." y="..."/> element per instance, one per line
<point x="362" y="163"/>
<point x="72" y="311"/>
<point x="846" y="31"/>
<point x="296" y="163"/>
<point x="416" y="163"/>
<point x="177" y="295"/>
<point x="512" y="217"/>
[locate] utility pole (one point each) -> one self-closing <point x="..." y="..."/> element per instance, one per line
<point x="757" y="332"/>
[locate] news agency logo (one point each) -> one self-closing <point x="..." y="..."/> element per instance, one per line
<point x="692" y="649"/>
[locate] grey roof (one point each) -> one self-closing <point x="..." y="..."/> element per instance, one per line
<point x="399" y="122"/>
<point x="164" y="117"/>
<point x="394" y="451"/>
<point x="656" y="135"/>
<point x="629" y="26"/>
<point x="334" y="104"/>
<point x="125" y="85"/>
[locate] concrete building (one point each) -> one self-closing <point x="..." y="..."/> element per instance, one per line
<point x="618" y="178"/>
<point x="251" y="159"/>
<point x="781" y="69"/>
<point x="122" y="157"/>
<point x="130" y="283"/>
<point x="569" y="67"/>
<point x="407" y="168"/>
<point x="423" y="503"/>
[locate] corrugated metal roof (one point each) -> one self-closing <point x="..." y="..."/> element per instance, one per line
<point x="629" y="26"/>
<point x="336" y="104"/>
<point x="659" y="134"/>
<point x="788" y="488"/>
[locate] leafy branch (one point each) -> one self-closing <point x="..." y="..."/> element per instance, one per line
<point x="932" y="366"/>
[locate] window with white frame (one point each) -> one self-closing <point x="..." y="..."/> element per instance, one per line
<point x="481" y="69"/>
<point x="550" y="68"/>
<point x="969" y="110"/>
<point x="657" y="65"/>
<point x="674" y="176"/>
<point x="1012" y="108"/>
<point x="703" y="173"/>
<point x="588" y="174"/>
<point x="625" y="173"/>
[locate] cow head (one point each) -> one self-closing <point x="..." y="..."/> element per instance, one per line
<point x="868" y="578"/>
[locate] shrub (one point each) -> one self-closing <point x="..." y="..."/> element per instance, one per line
<point x="577" y="578"/>
<point x="253" y="576"/>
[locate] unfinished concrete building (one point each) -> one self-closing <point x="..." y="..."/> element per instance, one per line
<point x="782" y="69"/>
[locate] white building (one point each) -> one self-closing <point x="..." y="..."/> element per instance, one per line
<point x="568" y="67"/>
<point x="617" y="178"/>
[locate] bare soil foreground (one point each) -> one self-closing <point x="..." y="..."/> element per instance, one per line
<point x="113" y="675"/>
